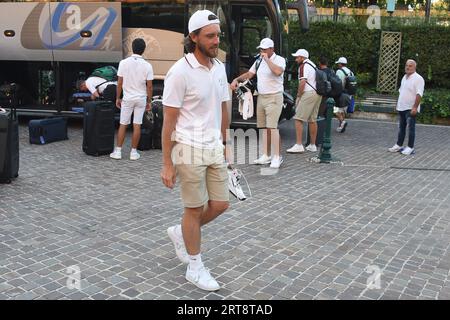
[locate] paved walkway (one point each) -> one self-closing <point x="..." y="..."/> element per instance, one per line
<point x="312" y="231"/>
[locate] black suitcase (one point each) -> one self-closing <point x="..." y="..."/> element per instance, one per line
<point x="44" y="131"/>
<point x="98" y="127"/>
<point x="146" y="140"/>
<point x="321" y="126"/>
<point x="9" y="145"/>
<point x="158" y="118"/>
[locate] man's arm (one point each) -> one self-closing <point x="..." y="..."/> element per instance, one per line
<point x="228" y="151"/>
<point x="301" y="87"/>
<point x="149" y="94"/>
<point x="245" y="76"/>
<point x="416" y="105"/>
<point x="168" y="173"/>
<point x="119" y="92"/>
<point x="276" y="69"/>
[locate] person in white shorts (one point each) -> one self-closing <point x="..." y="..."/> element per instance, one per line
<point x="135" y="76"/>
<point x="195" y="99"/>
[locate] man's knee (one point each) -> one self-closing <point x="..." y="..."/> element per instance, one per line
<point x="219" y="206"/>
<point x="194" y="213"/>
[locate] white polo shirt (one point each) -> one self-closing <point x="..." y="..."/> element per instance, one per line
<point x="199" y="93"/>
<point x="409" y="88"/>
<point x="93" y="82"/>
<point x="268" y="82"/>
<point x="309" y="74"/>
<point x="135" y="72"/>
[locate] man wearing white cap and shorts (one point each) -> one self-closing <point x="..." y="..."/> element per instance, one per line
<point x="307" y="102"/>
<point x="135" y="76"/>
<point x="195" y="120"/>
<point x="269" y="70"/>
<point x="342" y="72"/>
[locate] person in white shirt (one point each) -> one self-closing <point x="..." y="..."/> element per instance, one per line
<point x="408" y="105"/>
<point x="195" y="120"/>
<point x="269" y="69"/>
<point x="95" y="85"/>
<point x="135" y="77"/>
<point x="307" y="102"/>
<point x="342" y="72"/>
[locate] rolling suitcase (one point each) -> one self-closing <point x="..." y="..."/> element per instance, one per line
<point x="158" y="118"/>
<point x="44" y="131"/>
<point x="98" y="127"/>
<point x="145" y="142"/>
<point x="9" y="145"/>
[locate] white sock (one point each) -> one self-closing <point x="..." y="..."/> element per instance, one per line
<point x="119" y="149"/>
<point x="133" y="150"/>
<point x="195" y="262"/>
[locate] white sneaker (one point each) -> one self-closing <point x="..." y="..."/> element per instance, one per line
<point x="395" y="148"/>
<point x="116" y="154"/>
<point x="234" y="183"/>
<point x="407" y="151"/>
<point x="264" y="159"/>
<point x="180" y="248"/>
<point x="296" y="148"/>
<point x="312" y="148"/>
<point x="134" y="155"/>
<point x="276" y="162"/>
<point x="202" y="279"/>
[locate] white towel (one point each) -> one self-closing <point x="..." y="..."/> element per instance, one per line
<point x="246" y="105"/>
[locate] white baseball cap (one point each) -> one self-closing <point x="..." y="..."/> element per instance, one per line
<point x="202" y="18"/>
<point x="342" y="60"/>
<point x="301" y="53"/>
<point x="266" y="43"/>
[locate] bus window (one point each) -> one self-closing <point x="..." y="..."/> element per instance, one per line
<point x="159" y="14"/>
<point x="252" y="23"/>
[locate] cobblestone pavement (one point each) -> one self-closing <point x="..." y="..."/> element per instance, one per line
<point x="311" y="231"/>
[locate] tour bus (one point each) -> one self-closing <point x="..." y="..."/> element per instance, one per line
<point x="46" y="47"/>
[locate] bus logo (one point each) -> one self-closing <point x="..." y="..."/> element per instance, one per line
<point x="59" y="27"/>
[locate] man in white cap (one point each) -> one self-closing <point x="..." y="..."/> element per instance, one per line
<point x="342" y="72"/>
<point x="195" y="120"/>
<point x="307" y="102"/>
<point x="269" y="69"/>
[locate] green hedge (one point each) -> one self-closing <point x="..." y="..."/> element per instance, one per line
<point x="435" y="104"/>
<point x="427" y="44"/>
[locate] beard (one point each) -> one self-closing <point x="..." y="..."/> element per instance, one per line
<point x="211" y="52"/>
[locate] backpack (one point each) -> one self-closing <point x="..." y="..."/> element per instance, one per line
<point x="336" y="85"/>
<point x="109" y="93"/>
<point x="107" y="72"/>
<point x="350" y="82"/>
<point x="323" y="86"/>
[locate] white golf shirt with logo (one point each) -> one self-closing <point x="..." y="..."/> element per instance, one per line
<point x="198" y="92"/>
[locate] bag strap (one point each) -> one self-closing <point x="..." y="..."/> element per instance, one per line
<point x="96" y="87"/>
<point x="345" y="73"/>
<point x="307" y="80"/>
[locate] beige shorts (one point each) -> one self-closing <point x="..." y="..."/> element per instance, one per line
<point x="202" y="173"/>
<point x="135" y="107"/>
<point x="307" y="108"/>
<point x="268" y="110"/>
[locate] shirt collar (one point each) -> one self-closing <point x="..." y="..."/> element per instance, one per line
<point x="193" y="62"/>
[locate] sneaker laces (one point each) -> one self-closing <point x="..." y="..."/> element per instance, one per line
<point x="237" y="177"/>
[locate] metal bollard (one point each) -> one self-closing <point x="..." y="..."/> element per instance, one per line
<point x="325" y="154"/>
